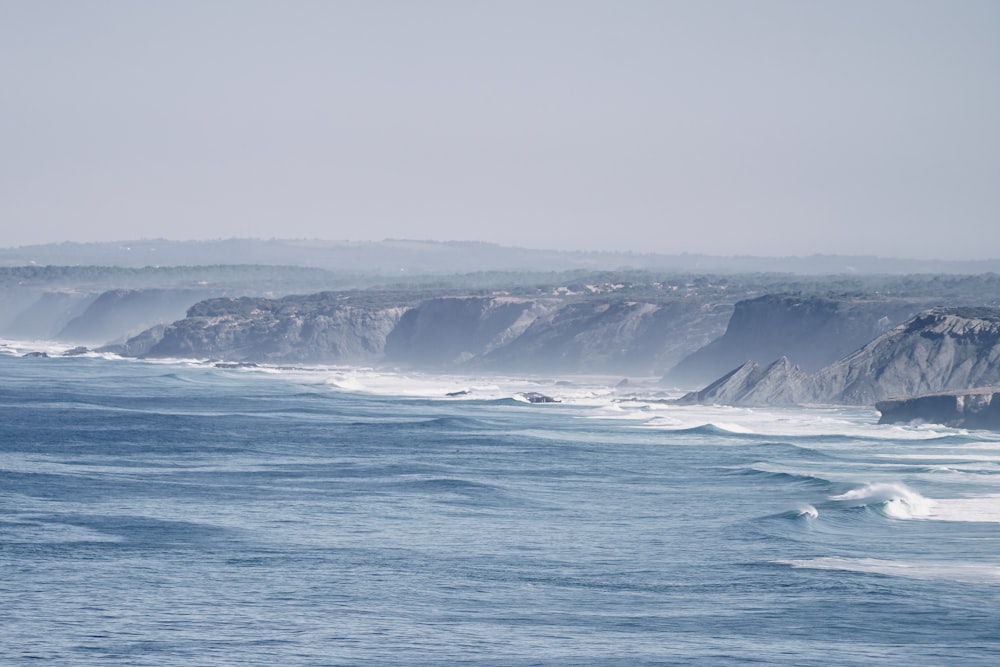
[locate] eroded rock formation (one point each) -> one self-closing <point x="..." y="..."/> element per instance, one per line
<point x="939" y="350"/>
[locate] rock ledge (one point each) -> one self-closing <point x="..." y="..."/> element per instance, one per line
<point x="970" y="408"/>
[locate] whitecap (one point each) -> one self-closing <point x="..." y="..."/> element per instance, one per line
<point x="808" y="511"/>
<point x="896" y="500"/>
<point x="984" y="509"/>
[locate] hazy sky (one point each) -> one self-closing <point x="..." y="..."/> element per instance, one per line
<point x="761" y="128"/>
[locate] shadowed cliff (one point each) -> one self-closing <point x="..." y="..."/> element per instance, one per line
<point x="811" y="331"/>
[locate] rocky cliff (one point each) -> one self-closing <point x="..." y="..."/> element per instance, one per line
<point x="549" y="333"/>
<point x="324" y="327"/>
<point x="778" y="384"/>
<point x="122" y="313"/>
<point x="811" y="331"/>
<point x="973" y="408"/>
<point x="44" y="314"/>
<point x="445" y="331"/>
<point x="938" y="350"/>
<point x="602" y="336"/>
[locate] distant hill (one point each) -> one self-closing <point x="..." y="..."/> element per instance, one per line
<point x="402" y="257"/>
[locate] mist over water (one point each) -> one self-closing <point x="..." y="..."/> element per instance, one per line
<point x="174" y="513"/>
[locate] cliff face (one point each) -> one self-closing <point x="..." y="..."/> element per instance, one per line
<point x="974" y="408"/>
<point x="938" y="350"/>
<point x="451" y="330"/>
<point x="811" y="331"/>
<point x="48" y="313"/>
<point x="122" y="313"/>
<point x="612" y="337"/>
<point x="95" y="317"/>
<point x="779" y="384"/>
<point x="490" y="333"/>
<point x="322" y="327"/>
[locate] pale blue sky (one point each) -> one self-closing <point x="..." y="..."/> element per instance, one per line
<point x="761" y="128"/>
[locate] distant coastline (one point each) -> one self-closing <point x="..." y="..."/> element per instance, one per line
<point x="403" y="256"/>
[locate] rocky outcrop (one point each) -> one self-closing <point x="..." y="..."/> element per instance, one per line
<point x="535" y="397"/>
<point x="973" y="408"/>
<point x="551" y="333"/>
<point x="939" y="350"/>
<point x="324" y="327"/>
<point x="137" y="346"/>
<point x="812" y="331"/>
<point x="780" y="383"/>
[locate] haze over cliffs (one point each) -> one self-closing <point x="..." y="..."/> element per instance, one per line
<point x="774" y="338"/>
<point x="544" y="333"/>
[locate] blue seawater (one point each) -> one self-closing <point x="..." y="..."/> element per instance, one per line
<point x="182" y="514"/>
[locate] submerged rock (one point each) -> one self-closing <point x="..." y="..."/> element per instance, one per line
<point x="535" y="397"/>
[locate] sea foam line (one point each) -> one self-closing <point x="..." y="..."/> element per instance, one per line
<point x="975" y="573"/>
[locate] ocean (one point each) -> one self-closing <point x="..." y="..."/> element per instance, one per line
<point x="176" y="513"/>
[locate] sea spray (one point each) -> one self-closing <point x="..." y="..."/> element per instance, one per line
<point x="895" y="500"/>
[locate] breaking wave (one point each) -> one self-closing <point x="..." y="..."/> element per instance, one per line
<point x="892" y="499"/>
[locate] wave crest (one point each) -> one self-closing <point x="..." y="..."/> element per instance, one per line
<point x="894" y="500"/>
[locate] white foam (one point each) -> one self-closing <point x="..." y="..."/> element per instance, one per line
<point x="976" y="509"/>
<point x="21" y="347"/>
<point x="621" y="412"/>
<point x="808" y="511"/>
<point x="977" y="573"/>
<point x="896" y="500"/>
<point x="978" y="458"/>
<point x="900" y="502"/>
<point x="789" y="422"/>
